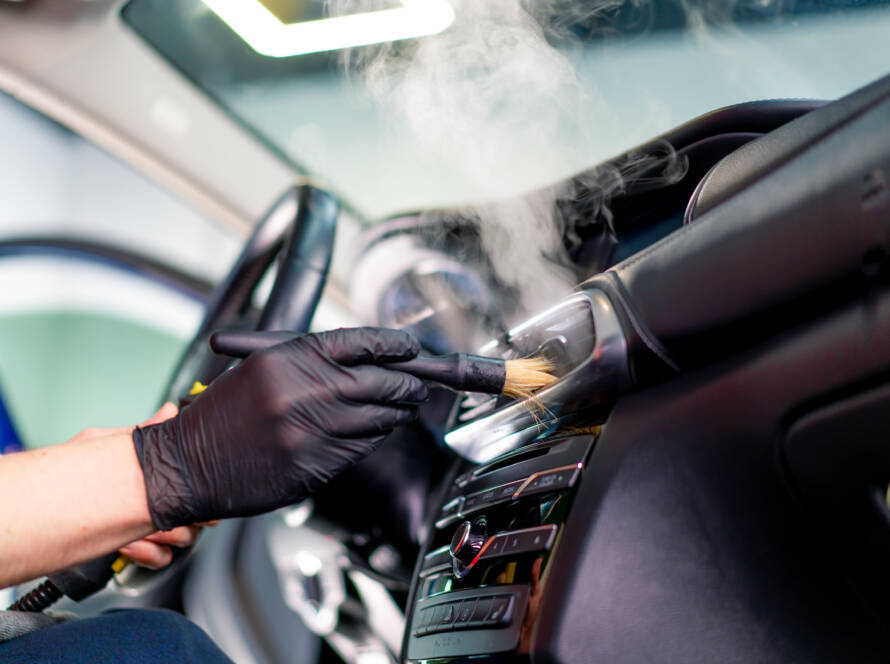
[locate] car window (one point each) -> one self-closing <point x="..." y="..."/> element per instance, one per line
<point x="85" y="338"/>
<point x="641" y="67"/>
<point x="56" y="183"/>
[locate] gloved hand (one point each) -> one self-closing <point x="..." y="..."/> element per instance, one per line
<point x="272" y="430"/>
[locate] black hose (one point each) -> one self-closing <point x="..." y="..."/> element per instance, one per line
<point x="42" y="597"/>
<point x="76" y="582"/>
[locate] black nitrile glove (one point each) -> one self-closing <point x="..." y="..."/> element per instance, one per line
<point x="272" y="430"/>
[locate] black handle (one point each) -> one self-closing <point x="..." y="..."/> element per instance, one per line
<point x="459" y="371"/>
<point x="80" y="581"/>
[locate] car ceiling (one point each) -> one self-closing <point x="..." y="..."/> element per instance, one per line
<point x="77" y="62"/>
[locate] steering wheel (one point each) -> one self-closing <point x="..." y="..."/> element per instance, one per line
<point x="299" y="231"/>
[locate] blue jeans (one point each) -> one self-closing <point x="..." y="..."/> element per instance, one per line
<point x="117" y="637"/>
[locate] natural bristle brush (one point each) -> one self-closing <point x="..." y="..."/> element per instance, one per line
<point x="519" y="379"/>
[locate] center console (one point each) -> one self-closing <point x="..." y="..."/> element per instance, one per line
<point x="480" y="579"/>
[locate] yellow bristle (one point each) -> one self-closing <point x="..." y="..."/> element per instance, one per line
<point x="527" y="376"/>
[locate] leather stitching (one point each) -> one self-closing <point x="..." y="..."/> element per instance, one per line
<point x="649" y="339"/>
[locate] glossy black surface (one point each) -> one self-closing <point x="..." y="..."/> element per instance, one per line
<point x="688" y="540"/>
<point x="516" y="521"/>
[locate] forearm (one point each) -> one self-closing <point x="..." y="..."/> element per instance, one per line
<point x="66" y="504"/>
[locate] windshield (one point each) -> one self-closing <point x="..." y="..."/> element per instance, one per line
<point x="497" y="100"/>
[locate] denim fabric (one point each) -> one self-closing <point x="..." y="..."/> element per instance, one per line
<point x="117" y="637"/>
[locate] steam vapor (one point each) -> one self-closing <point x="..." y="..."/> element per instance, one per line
<point x="491" y="95"/>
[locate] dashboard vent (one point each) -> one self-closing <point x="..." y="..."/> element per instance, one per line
<point x="473" y="406"/>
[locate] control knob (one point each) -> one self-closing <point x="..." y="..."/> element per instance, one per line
<point x="468" y="540"/>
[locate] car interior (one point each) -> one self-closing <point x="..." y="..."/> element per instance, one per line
<point x="700" y="249"/>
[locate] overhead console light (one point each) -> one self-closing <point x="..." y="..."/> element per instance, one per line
<point x="267" y="35"/>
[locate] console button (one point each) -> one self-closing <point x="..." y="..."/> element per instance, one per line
<point x="501" y="611"/>
<point x="436" y="561"/>
<point x="472" y="502"/>
<point x="536" y="540"/>
<point x="438" y="557"/>
<point x="452" y="506"/>
<point x="528" y="540"/>
<point x="422" y="621"/>
<point x="507" y="490"/>
<point x="464" y="612"/>
<point x="558" y="478"/>
<point x="548" y="481"/>
<point x="436" y="613"/>
<point x="446" y="617"/>
<point x="483" y="606"/>
<point x="447" y="521"/>
<point x="488" y="496"/>
<point x="513" y="543"/>
<point x="450" y="512"/>
<point x="495" y="547"/>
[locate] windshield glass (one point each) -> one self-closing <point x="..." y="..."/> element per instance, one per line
<point x="500" y="97"/>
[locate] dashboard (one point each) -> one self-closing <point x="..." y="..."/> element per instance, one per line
<point x="734" y="511"/>
<point x="496" y="531"/>
<point x="480" y="580"/>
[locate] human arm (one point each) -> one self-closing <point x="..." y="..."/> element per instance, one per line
<point x="34" y="552"/>
<point x="264" y="435"/>
<point x="70" y="503"/>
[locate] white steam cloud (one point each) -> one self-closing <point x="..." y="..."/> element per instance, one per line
<point x="491" y="95"/>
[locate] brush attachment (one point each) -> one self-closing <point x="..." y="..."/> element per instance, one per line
<point x="519" y="379"/>
<point x="525" y="377"/>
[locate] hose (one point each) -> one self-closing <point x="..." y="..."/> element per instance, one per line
<point x="42" y="597"/>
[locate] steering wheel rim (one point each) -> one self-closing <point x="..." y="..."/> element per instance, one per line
<point x="299" y="232"/>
